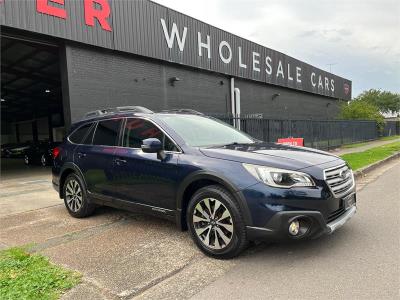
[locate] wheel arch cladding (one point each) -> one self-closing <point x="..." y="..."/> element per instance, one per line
<point x="68" y="169"/>
<point x="197" y="181"/>
<point x="63" y="177"/>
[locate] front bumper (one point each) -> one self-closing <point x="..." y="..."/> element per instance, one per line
<point x="339" y="222"/>
<point x="277" y="227"/>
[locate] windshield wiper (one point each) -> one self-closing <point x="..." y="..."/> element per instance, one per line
<point x="232" y="144"/>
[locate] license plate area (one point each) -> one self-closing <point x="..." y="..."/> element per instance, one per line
<point x="349" y="201"/>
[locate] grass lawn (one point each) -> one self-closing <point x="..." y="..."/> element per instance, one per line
<point x="386" y="138"/>
<point x="32" y="276"/>
<point x="358" y="160"/>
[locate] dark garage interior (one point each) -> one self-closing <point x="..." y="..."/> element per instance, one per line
<point x="31" y="98"/>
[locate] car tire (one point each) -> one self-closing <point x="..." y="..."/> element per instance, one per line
<point x="43" y="160"/>
<point x="75" y="197"/>
<point x="216" y="223"/>
<point x="27" y="161"/>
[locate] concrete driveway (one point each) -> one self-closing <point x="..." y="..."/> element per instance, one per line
<point x="123" y="255"/>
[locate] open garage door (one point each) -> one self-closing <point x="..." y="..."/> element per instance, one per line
<point x="31" y="99"/>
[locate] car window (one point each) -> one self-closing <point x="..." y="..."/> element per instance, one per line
<point x="137" y="130"/>
<point x="89" y="137"/>
<point x="78" y="135"/>
<point x="199" y="131"/>
<point x="107" y="132"/>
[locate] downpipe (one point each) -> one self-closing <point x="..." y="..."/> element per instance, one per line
<point x="235" y="104"/>
<point x="233" y="111"/>
<point x="237" y="107"/>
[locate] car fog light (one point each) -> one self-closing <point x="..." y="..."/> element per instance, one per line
<point x="294" y="227"/>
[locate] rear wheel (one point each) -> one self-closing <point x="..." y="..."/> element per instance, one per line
<point x="75" y="197"/>
<point x="216" y="223"/>
<point x="27" y="160"/>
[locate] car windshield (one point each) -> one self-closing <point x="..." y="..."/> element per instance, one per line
<point x="198" y="131"/>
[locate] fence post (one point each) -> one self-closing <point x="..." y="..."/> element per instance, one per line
<point x="329" y="134"/>
<point x="312" y="133"/>
<point x="341" y="133"/>
<point x="397" y="127"/>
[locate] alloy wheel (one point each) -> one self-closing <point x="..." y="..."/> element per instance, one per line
<point x="26" y="159"/>
<point x="73" y="195"/>
<point x="213" y="223"/>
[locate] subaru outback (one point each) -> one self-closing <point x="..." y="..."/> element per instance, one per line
<point x="223" y="186"/>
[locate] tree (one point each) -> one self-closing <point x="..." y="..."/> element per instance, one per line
<point x="387" y="102"/>
<point x="362" y="110"/>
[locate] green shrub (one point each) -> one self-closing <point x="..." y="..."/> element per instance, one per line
<point x="362" y="110"/>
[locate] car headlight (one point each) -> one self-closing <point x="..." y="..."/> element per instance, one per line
<point x="279" y="177"/>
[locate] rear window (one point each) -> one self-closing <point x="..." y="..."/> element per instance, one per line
<point x="78" y="135"/>
<point x="107" y="132"/>
<point x="89" y="137"/>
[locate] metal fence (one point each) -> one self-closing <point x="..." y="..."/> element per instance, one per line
<point x="391" y="128"/>
<point x="316" y="133"/>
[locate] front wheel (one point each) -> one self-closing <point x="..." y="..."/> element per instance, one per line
<point x="27" y="160"/>
<point x="216" y="223"/>
<point x="75" y="197"/>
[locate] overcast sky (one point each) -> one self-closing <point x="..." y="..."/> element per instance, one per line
<point x="360" y="38"/>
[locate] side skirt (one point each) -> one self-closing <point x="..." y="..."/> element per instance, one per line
<point x="135" y="207"/>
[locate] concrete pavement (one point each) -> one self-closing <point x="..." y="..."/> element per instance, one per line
<point x="129" y="256"/>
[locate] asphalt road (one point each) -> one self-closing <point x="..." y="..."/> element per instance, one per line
<point x="359" y="261"/>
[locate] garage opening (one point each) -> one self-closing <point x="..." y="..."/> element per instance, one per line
<point x="31" y="101"/>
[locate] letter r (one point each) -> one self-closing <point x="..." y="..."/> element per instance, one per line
<point x="101" y="15"/>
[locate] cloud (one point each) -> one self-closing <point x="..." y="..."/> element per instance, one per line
<point x="358" y="38"/>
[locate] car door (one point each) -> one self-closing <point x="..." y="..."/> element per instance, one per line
<point x="95" y="156"/>
<point x="141" y="177"/>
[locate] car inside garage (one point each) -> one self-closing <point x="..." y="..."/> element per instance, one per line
<point x="31" y="102"/>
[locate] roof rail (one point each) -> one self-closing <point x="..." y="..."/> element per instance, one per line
<point x="139" y="109"/>
<point x="114" y="110"/>
<point x="183" y="111"/>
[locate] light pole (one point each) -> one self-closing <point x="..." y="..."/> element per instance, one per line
<point x="330" y="66"/>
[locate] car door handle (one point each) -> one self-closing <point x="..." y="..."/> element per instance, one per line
<point x="80" y="154"/>
<point x="120" y="161"/>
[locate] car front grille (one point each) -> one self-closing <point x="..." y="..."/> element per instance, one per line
<point x="339" y="179"/>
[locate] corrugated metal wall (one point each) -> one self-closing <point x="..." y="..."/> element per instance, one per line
<point x="22" y="14"/>
<point x="137" y="29"/>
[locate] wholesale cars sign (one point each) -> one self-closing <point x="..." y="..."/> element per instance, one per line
<point x="149" y="29"/>
<point x="276" y="67"/>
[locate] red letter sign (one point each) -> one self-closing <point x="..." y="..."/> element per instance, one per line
<point x="292" y="141"/>
<point x="101" y="15"/>
<point x="43" y="7"/>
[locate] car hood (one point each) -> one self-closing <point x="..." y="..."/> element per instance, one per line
<point x="271" y="154"/>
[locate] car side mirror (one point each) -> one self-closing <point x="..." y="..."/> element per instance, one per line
<point x="151" y="145"/>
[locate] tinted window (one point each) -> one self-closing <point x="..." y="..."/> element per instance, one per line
<point x="107" y="133"/>
<point x="198" y="131"/>
<point x="78" y="135"/>
<point x="89" y="137"/>
<point x="137" y="130"/>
